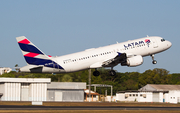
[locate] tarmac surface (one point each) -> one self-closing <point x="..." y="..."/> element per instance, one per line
<point x="25" y="107"/>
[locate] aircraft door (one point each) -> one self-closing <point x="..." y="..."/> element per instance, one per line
<point x="155" y="45"/>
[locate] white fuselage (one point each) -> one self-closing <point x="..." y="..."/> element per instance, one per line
<point x="91" y="57"/>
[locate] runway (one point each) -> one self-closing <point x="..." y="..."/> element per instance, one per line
<point x="20" y="107"/>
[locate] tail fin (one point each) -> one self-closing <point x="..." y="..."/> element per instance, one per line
<point x="33" y="55"/>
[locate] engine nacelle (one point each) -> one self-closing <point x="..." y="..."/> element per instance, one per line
<point x="133" y="61"/>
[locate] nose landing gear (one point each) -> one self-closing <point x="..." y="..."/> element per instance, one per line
<point x="154" y="61"/>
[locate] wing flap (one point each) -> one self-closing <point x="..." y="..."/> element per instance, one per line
<point x="114" y="61"/>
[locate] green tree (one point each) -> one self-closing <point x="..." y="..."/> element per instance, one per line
<point x="66" y="78"/>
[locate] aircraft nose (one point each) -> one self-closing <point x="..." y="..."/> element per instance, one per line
<point x="169" y="44"/>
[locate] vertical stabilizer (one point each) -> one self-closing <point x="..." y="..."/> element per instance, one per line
<point x="33" y="55"/>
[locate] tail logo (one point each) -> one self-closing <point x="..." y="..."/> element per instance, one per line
<point x="35" y="56"/>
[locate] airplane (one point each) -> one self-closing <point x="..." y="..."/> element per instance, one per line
<point x="128" y="53"/>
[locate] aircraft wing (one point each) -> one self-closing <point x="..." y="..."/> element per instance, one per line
<point x="114" y="61"/>
<point x="110" y="62"/>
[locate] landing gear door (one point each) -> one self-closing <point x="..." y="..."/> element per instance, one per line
<point x="155" y="45"/>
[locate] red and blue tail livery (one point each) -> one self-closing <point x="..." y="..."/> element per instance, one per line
<point x="35" y="56"/>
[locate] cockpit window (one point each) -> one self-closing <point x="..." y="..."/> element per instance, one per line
<point x="162" y="40"/>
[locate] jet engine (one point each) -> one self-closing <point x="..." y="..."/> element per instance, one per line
<point x="133" y="61"/>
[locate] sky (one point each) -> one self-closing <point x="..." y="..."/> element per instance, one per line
<point x="60" y="27"/>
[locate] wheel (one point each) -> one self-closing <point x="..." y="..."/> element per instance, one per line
<point x="154" y="62"/>
<point x="96" y="73"/>
<point x="112" y="73"/>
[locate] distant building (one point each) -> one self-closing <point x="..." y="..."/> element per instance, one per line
<point x="171" y="93"/>
<point x="97" y="97"/>
<point x="23" y="89"/>
<point x="94" y="95"/>
<point x="159" y="87"/>
<point x="5" y="70"/>
<point x="66" y="91"/>
<point x="40" y="89"/>
<point x="152" y="93"/>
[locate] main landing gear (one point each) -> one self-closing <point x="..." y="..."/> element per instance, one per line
<point x="96" y="73"/>
<point x="111" y="72"/>
<point x="154" y="61"/>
